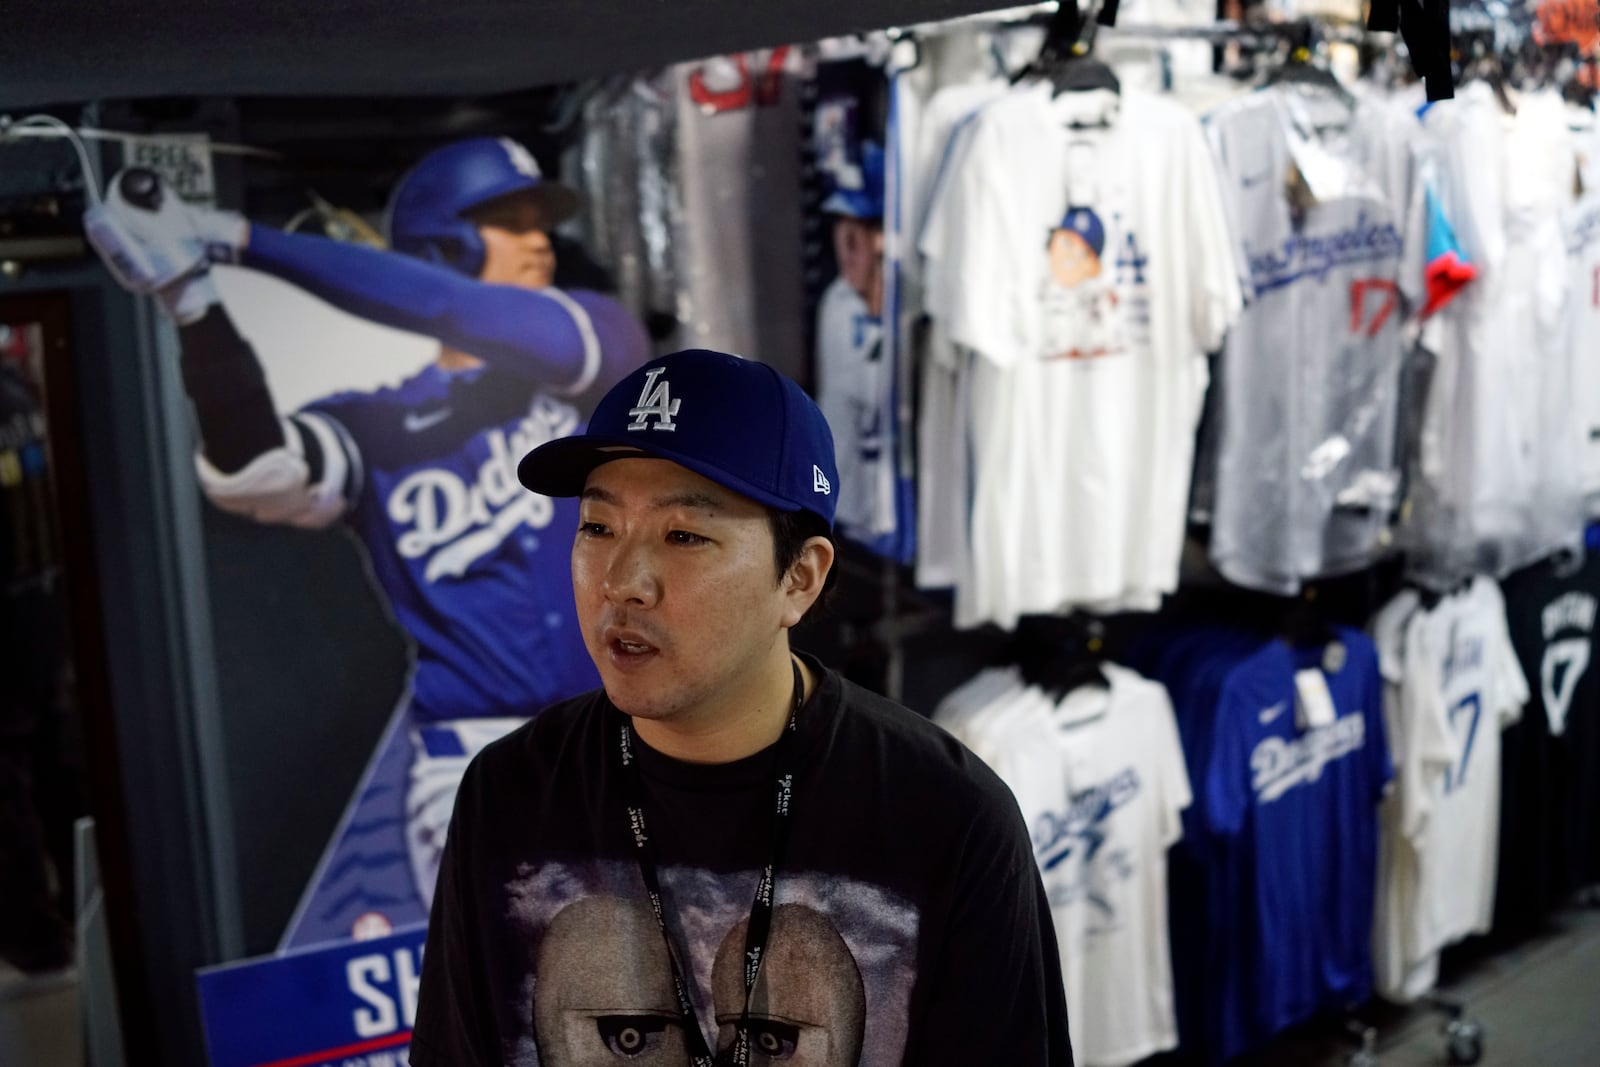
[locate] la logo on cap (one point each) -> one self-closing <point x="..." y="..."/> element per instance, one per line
<point x="819" y="481"/>
<point x="654" y="400"/>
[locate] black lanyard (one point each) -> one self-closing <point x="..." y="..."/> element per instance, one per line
<point x="760" y="924"/>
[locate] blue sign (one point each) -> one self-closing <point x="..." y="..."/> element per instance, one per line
<point x="348" y="1004"/>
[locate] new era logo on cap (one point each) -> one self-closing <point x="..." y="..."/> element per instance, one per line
<point x="750" y="429"/>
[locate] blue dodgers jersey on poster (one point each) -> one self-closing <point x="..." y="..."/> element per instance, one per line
<point x="477" y="568"/>
<point x="1302" y="807"/>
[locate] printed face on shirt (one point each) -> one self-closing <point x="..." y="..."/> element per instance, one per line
<point x="678" y="594"/>
<point x="517" y="248"/>
<point x="1072" y="261"/>
<point x="603" y="989"/>
<point x="809" y="1006"/>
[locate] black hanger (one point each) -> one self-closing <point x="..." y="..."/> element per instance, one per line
<point x="1431" y="594"/>
<point x="1299" y="69"/>
<point x="1065" y="58"/>
<point x="1303" y="625"/>
<point x="1082" y="74"/>
<point x="1059" y="654"/>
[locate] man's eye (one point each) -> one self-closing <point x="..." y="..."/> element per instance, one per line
<point x="773" y="1040"/>
<point x="629" y="1036"/>
<point x="684" y="537"/>
<point x="592" y="529"/>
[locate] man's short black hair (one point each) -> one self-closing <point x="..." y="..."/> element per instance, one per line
<point x="790" y="532"/>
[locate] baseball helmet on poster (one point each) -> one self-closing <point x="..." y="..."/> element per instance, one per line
<point x="427" y="212"/>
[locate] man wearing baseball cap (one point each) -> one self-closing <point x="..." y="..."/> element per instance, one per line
<point x="719" y="780"/>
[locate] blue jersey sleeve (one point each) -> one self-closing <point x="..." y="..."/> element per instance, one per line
<point x="565" y="342"/>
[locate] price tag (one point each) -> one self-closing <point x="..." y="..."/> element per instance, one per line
<point x="1313" y="705"/>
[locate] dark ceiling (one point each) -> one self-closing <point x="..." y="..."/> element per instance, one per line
<point x="71" y="51"/>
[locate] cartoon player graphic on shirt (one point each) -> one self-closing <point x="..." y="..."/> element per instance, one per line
<point x="423" y="473"/>
<point x="1082" y="319"/>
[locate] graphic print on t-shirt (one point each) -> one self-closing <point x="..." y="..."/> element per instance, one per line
<point x="1082" y="316"/>
<point x="834" y="988"/>
<point x="1568" y="626"/>
<point x="1074" y="850"/>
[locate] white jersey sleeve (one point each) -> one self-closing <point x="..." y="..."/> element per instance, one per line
<point x="972" y="269"/>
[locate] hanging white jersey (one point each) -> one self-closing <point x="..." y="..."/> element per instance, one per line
<point x="1327" y="215"/>
<point x="1500" y="462"/>
<point x="1101" y="781"/>
<point x="943" y="428"/>
<point x="1582" y="226"/>
<point x="1078" y="247"/>
<point x="1460" y="686"/>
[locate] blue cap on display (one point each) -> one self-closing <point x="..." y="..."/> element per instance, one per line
<point x="1086" y="224"/>
<point x="866" y="200"/>
<point x="737" y="422"/>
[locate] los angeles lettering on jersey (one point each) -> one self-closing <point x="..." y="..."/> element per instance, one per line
<point x="435" y="507"/>
<point x="1314" y="256"/>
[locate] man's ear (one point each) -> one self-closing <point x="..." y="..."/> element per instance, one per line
<point x="807" y="578"/>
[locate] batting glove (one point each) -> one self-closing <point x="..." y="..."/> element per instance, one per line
<point x="150" y="238"/>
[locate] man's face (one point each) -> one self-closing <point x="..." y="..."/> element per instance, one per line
<point x="603" y="989"/>
<point x="858" y="247"/>
<point x="677" y="591"/>
<point x="1072" y="261"/>
<point x="517" y="248"/>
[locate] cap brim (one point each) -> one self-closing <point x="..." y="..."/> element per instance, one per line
<point x="557" y="202"/>
<point x="562" y="467"/>
<point x="852" y="205"/>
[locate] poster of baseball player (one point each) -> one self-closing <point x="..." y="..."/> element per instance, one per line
<point x="423" y="472"/>
<point x="1081" y="317"/>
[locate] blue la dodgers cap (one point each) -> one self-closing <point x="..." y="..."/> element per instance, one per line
<point x="1084" y="222"/>
<point x="735" y="421"/>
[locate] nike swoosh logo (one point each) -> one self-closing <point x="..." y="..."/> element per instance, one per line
<point x="1270" y="716"/>
<point x="1251" y="181"/>
<point x="417" y="423"/>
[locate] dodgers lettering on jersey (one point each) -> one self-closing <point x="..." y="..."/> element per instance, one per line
<point x="1279" y="764"/>
<point x="1079" y="830"/>
<point x="477" y="567"/>
<point x="452" y="524"/>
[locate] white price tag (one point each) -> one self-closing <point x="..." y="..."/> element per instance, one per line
<point x="1313" y="705"/>
<point x="183" y="159"/>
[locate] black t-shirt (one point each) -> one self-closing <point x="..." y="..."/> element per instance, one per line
<point x="1550" y="793"/>
<point x="910" y="923"/>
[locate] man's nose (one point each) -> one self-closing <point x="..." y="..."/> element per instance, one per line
<point x="631" y="576"/>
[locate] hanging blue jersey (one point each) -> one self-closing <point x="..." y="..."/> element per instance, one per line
<point x="1301" y="808"/>
<point x="1213" y="974"/>
<point x="476" y="567"/>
